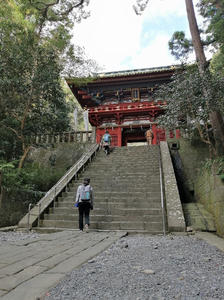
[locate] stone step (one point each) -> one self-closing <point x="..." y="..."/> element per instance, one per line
<point x="121" y="174"/>
<point x="107" y="174"/>
<point x="118" y="191"/>
<point x="119" y="155"/>
<point x="141" y="194"/>
<point x="143" y="168"/>
<point x="97" y="181"/>
<point x="126" y="202"/>
<point x="152" y="226"/>
<point x="123" y="164"/>
<point x="105" y="180"/>
<point x="111" y="210"/>
<point x="104" y="218"/>
<point x="126" y="190"/>
<point x="198" y="217"/>
<point x="138" y="182"/>
<point x="116" y="195"/>
<point x="114" y="201"/>
<point x="109" y="205"/>
<point x="125" y="150"/>
<point x="137" y="179"/>
<point x="132" y="174"/>
<point x="117" y="152"/>
<point x="125" y="161"/>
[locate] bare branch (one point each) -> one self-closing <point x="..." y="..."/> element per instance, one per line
<point x="13" y="130"/>
<point x="65" y="13"/>
<point x="140" y="6"/>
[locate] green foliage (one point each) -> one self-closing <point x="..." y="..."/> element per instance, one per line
<point x="213" y="13"/>
<point x="10" y="148"/>
<point x="6" y="165"/>
<point x="32" y="179"/>
<point x="211" y="164"/>
<point x="35" y="50"/>
<point x="187" y="107"/>
<point x="217" y="64"/>
<point x="179" y="46"/>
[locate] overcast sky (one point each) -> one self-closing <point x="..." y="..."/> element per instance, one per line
<point x="118" y="39"/>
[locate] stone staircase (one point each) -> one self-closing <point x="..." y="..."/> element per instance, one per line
<point x="127" y="193"/>
<point x="198" y="217"/>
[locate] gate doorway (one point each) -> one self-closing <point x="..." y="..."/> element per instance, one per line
<point x="133" y="135"/>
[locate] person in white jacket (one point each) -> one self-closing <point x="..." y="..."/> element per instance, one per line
<point x="84" y="202"/>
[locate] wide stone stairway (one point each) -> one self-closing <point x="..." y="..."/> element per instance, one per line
<point x="126" y="189"/>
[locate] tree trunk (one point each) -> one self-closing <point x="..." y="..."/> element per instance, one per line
<point x="218" y="131"/>
<point x="0" y="188"/>
<point x="196" y="40"/>
<point x="25" y="152"/>
<point x="215" y="116"/>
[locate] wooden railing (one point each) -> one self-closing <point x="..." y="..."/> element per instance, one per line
<point x="64" y="137"/>
<point x="33" y="215"/>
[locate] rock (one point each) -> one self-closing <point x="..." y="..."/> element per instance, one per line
<point x="189" y="229"/>
<point x="207" y="258"/>
<point x="137" y="268"/>
<point x="124" y="246"/>
<point x="91" y="261"/>
<point x="181" y="278"/>
<point x="148" y="271"/>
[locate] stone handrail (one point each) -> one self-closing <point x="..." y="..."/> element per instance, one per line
<point x="162" y="193"/>
<point x="175" y="216"/>
<point x="63" y="137"/>
<point x="33" y="216"/>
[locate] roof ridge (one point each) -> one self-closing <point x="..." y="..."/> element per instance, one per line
<point x="135" y="71"/>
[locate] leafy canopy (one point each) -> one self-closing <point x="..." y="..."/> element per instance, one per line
<point x="35" y="50"/>
<point x="187" y="107"/>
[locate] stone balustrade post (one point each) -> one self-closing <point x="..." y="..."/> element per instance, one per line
<point x="85" y="137"/>
<point x="69" y="137"/>
<point x="81" y="137"/>
<point x="47" y="138"/>
<point x="93" y="135"/>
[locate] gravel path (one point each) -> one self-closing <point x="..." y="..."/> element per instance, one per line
<point x="143" y="267"/>
<point x="148" y="267"/>
<point x="12" y="236"/>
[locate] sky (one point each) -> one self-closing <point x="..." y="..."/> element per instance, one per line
<point x="117" y="39"/>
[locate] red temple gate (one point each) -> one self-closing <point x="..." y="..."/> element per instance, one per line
<point x="124" y="104"/>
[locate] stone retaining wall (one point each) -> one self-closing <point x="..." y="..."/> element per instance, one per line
<point x="209" y="190"/>
<point x="175" y="216"/>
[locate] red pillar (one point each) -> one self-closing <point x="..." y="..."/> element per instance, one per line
<point x="177" y="133"/>
<point x="119" y="136"/>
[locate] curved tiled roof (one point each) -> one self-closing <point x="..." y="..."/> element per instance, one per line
<point x="136" y="71"/>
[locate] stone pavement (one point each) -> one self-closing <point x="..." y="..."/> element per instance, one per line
<point x="211" y="239"/>
<point x="28" y="268"/>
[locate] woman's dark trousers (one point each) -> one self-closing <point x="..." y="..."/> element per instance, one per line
<point x="84" y="209"/>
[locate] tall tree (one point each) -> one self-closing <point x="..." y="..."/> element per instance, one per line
<point x="186" y="107"/>
<point x="215" y="115"/>
<point x="213" y="12"/>
<point x="34" y="45"/>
